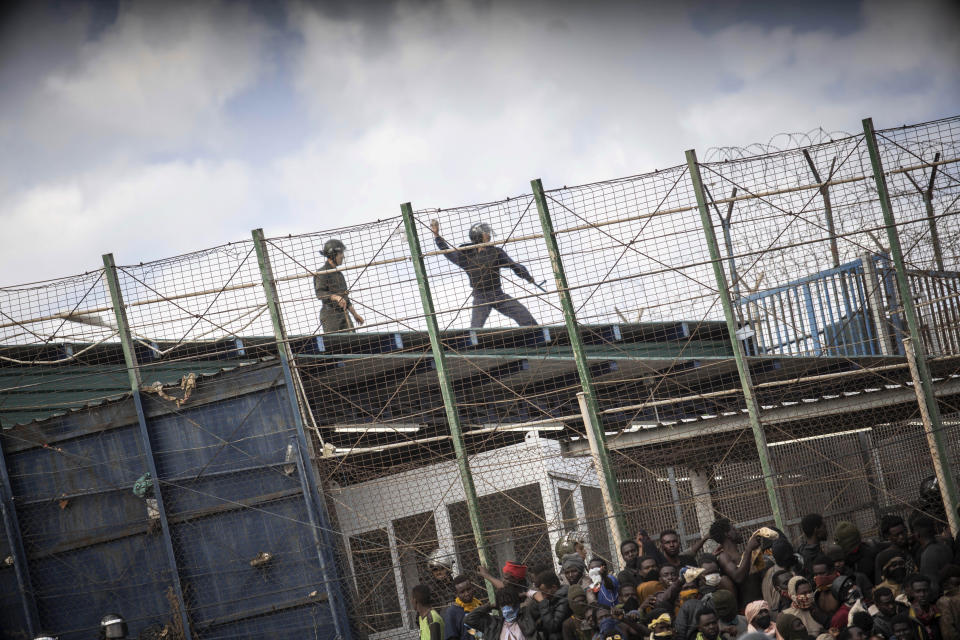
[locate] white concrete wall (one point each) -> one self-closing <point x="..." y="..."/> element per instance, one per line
<point x="377" y="503"/>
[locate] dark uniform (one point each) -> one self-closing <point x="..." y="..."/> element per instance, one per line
<point x="483" y="265"/>
<point x="329" y="282"/>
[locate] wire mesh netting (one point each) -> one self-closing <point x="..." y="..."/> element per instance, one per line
<point x="298" y="456"/>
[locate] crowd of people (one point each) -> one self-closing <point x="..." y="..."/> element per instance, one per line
<point x="825" y="586"/>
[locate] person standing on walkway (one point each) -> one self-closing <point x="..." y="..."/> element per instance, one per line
<point x="482" y="264"/>
<point x="331" y="287"/>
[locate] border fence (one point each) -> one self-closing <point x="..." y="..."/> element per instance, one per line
<point x="755" y="338"/>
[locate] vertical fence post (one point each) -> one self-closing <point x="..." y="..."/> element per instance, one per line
<point x="20" y="565"/>
<point x="753" y="409"/>
<point x="316" y="509"/>
<point x="590" y="410"/>
<point x="133" y="374"/>
<point x="446" y="389"/>
<point x="928" y="405"/>
<point x="677" y="508"/>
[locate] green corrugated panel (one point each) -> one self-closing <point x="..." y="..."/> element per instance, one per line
<point x="40" y="392"/>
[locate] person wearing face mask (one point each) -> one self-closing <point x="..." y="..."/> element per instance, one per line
<point x="708" y="580"/>
<point x="845" y="591"/>
<point x="661" y="627"/>
<point x="577" y="626"/>
<point x="790" y="627"/>
<point x="759" y="619"/>
<point x="898" y="543"/>
<point x="803" y="605"/>
<point x="894" y="572"/>
<point x="823" y="575"/>
<point x="713" y="577"/>
<point x="515" y="621"/>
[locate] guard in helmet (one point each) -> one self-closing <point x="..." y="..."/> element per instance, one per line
<point x="483" y="265"/>
<point x="113" y="625"/>
<point x="571" y="542"/>
<point x="441" y="585"/>
<point x="331" y="287"/>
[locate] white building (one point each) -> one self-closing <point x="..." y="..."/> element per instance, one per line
<point x="529" y="496"/>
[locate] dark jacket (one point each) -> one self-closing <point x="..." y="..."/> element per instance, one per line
<point x="326" y="282"/>
<point x="491" y="625"/>
<point x="483" y="265"/>
<point x="551" y="613"/>
<point x="863" y="560"/>
<point x="453" y="628"/>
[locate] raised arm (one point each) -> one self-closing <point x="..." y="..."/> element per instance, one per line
<point x="456" y="256"/>
<point x="738" y="572"/>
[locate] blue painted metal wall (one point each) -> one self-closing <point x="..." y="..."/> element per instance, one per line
<point x="233" y="493"/>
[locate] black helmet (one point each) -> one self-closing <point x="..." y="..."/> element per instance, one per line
<point x="113" y="625"/>
<point x="477" y="231"/>
<point x="840" y="586"/>
<point x="332" y="248"/>
<point x="930" y="488"/>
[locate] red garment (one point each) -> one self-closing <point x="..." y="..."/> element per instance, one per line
<point x="839" y="619"/>
<point x="515" y="571"/>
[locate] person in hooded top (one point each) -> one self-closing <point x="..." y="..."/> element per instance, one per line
<point x="577" y="626"/>
<point x="893" y="569"/>
<point x="732" y="625"/>
<point x="790" y="627"/>
<point x="574" y="570"/>
<point x="759" y="619"/>
<point x="859" y="555"/>
<point x="804" y="607"/>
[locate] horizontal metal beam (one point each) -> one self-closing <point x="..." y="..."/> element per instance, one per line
<point x="256" y="612"/>
<point x="780" y="415"/>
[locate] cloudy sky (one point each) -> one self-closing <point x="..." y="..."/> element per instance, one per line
<point x="150" y="129"/>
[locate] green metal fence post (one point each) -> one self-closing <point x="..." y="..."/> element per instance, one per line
<point x="753" y="409"/>
<point x="446" y="389"/>
<point x="938" y="449"/>
<point x="133" y="374"/>
<point x="591" y="410"/>
<point x="319" y="530"/>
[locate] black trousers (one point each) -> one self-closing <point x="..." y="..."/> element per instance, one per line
<point x="484" y="303"/>
<point x="334" y="319"/>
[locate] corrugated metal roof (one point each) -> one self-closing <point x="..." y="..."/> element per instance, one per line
<point x="41" y="392"/>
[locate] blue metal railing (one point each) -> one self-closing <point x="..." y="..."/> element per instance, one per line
<point x="826" y="313"/>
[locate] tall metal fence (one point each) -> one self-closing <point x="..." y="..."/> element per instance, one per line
<point x="757" y="338"/>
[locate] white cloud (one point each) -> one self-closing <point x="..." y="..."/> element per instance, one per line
<point x="441" y="103"/>
<point x="154" y="81"/>
<point x="136" y="213"/>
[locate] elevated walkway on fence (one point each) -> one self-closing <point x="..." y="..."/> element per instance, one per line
<point x="657" y="383"/>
